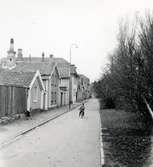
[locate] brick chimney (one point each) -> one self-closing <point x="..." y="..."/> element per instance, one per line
<point x="43" y="56"/>
<point x="51" y="56"/>
<point x="20" y="55"/>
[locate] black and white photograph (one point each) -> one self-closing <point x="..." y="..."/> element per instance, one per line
<point x="76" y="83"/>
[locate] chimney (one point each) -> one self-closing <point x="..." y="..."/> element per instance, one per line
<point x="51" y="56"/>
<point x="43" y="57"/>
<point x="20" y="55"/>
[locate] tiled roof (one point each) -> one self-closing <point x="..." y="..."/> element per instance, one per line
<point x="62" y="65"/>
<point x="46" y="59"/>
<point x="73" y="70"/>
<point x="86" y="79"/>
<point x="63" y="70"/>
<point x="44" y="67"/>
<point x="60" y="60"/>
<point x="83" y="76"/>
<point x="16" y="78"/>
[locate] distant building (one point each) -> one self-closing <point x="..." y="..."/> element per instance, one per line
<point x="74" y="83"/>
<point x="9" y="61"/>
<point x="84" y="91"/>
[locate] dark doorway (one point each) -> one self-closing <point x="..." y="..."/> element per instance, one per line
<point x="61" y="98"/>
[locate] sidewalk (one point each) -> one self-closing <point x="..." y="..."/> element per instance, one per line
<point x="11" y="130"/>
<point x="67" y="141"/>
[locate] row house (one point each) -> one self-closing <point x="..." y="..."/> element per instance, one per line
<point x="62" y="67"/>
<point x="67" y="85"/>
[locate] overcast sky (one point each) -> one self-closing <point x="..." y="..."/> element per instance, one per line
<point x="51" y="26"/>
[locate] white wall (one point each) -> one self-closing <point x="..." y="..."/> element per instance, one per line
<point x="74" y="88"/>
<point x="65" y="83"/>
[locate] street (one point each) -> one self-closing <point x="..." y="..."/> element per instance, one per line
<point x="63" y="142"/>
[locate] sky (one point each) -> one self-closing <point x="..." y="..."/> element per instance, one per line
<point x="52" y="26"/>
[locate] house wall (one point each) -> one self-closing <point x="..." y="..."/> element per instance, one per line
<point x="54" y="90"/>
<point x="51" y="84"/>
<point x="35" y="102"/>
<point x="79" y="93"/>
<point x="13" y="100"/>
<point x="79" y="90"/>
<point x="46" y="81"/>
<point x="62" y="98"/>
<point x="74" y="86"/>
<point x="64" y="82"/>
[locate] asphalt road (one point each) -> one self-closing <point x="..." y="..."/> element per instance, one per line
<point x="64" y="142"/>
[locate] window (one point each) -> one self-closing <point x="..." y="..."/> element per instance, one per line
<point x="55" y="97"/>
<point x="35" y="98"/>
<point x="51" y="98"/>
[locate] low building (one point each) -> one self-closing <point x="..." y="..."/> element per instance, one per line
<point x="67" y="87"/>
<point x="50" y="77"/>
<point x="20" y="92"/>
<point x="60" y="90"/>
<point x="48" y="71"/>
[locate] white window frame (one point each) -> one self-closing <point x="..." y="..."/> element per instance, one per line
<point x="35" y="98"/>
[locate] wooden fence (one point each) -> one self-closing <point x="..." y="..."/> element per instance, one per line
<point x="13" y="100"/>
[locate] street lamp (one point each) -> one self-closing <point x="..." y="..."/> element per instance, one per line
<point x="70" y="81"/>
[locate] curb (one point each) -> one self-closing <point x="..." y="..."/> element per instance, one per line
<point x="101" y="145"/>
<point x="18" y="136"/>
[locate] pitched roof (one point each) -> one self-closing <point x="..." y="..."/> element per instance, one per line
<point x="16" y="78"/>
<point x="60" y="60"/>
<point x="63" y="70"/>
<point x="73" y="70"/>
<point x="45" y="59"/>
<point x="84" y="77"/>
<point x="62" y="65"/>
<point x="45" y="68"/>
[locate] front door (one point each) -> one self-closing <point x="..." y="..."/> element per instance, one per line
<point x="61" y="98"/>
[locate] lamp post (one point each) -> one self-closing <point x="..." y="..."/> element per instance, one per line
<point x="70" y="80"/>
